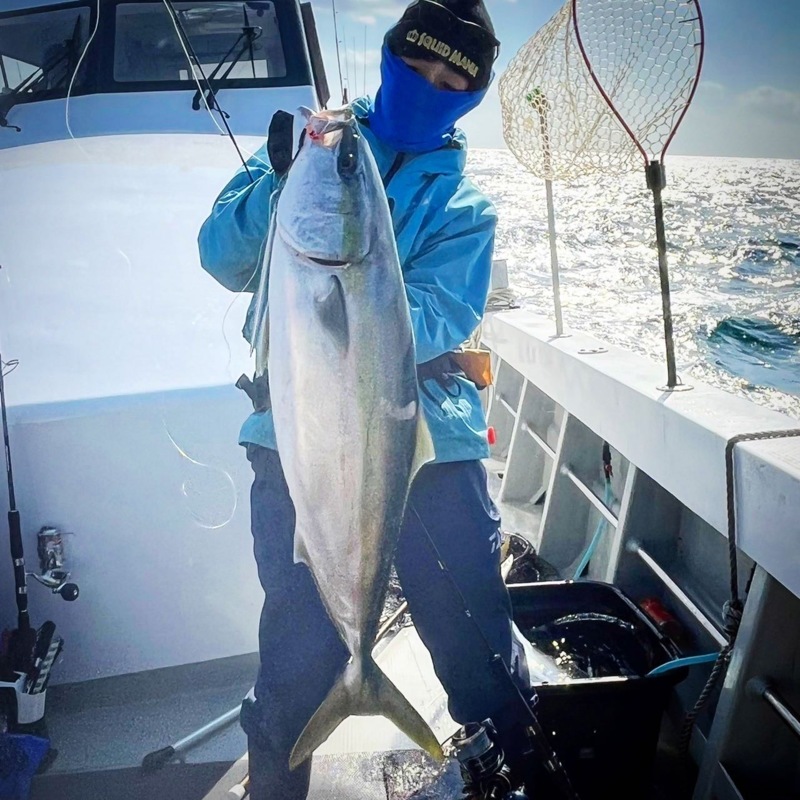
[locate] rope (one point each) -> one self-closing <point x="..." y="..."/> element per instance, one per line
<point x="501" y="300"/>
<point x="733" y="608"/>
<point x="498" y="300"/>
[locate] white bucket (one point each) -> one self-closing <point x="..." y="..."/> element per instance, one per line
<point x="30" y="707"/>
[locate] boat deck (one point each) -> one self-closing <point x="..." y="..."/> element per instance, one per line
<point x="102" y="730"/>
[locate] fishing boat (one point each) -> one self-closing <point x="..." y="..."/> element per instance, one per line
<point x="120" y="120"/>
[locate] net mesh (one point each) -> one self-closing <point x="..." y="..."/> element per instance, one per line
<point x="646" y="56"/>
<point x="555" y="120"/>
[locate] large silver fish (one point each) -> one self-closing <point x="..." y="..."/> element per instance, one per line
<point x="343" y="384"/>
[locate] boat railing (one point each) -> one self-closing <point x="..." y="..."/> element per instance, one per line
<point x="659" y="524"/>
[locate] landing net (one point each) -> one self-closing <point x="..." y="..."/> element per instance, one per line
<point x="645" y="59"/>
<point x="603" y="84"/>
<point x="555" y="121"/>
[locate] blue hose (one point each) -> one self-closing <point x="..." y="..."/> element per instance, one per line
<point x="601" y="527"/>
<point x="688" y="661"/>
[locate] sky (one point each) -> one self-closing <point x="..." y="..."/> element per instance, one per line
<point x="747" y="101"/>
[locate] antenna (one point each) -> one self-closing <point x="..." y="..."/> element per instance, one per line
<point x="346" y="92"/>
<point x="355" y="68"/>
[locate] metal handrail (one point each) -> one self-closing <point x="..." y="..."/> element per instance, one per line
<point x="634" y="547"/>
<point x="538" y="439"/>
<point x="761" y="687"/>
<point x="590" y="495"/>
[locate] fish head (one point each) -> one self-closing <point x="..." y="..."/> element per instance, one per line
<point x="324" y="209"/>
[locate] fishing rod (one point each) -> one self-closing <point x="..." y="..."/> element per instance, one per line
<point x="537" y="737"/>
<point x="194" y="63"/>
<point x="23" y="639"/>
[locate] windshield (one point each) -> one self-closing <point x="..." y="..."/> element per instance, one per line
<point x="39" y="52"/>
<point x="232" y="40"/>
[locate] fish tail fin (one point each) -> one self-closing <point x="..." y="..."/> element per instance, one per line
<point x="363" y="691"/>
<point x="389" y="702"/>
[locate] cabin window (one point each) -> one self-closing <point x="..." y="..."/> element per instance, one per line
<point x="39" y="52"/>
<point x="233" y="41"/>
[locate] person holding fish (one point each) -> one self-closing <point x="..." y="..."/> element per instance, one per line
<point x="367" y="438"/>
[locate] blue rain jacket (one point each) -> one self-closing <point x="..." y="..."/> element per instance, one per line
<point x="444" y="229"/>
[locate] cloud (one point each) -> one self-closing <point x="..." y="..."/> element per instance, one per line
<point x="772" y="103"/>
<point x="763" y="121"/>
<point x="760" y="122"/>
<point x="711" y="87"/>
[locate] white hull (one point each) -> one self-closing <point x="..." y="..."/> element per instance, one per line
<point x="124" y="419"/>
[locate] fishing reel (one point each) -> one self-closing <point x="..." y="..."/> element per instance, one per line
<point x="50" y="548"/>
<point x="483" y="768"/>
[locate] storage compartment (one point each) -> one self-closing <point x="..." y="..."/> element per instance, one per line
<point x="605" y="730"/>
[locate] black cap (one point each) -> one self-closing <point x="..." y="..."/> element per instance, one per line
<point x="457" y="32"/>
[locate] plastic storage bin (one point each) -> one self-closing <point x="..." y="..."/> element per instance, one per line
<point x="604" y="730"/>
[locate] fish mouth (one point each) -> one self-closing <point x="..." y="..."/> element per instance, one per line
<point x="328" y="262"/>
<point x="318" y="253"/>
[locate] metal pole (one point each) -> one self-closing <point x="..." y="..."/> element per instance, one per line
<point x="634" y="547"/>
<point x="158" y="758"/>
<point x="656" y="181"/>
<point x="590" y="495"/>
<point x="384" y="629"/>
<point x="537" y="99"/>
<point x="551" y="229"/>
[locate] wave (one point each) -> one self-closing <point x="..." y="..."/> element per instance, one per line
<point x="765" y="352"/>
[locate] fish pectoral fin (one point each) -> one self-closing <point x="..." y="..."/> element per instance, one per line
<point x="332" y="312"/>
<point x="363" y="692"/>
<point x="424" y="451"/>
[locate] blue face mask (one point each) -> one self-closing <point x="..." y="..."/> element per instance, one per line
<point x="410" y="114"/>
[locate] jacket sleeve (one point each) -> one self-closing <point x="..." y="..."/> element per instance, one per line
<point x="447" y="280"/>
<point x="230" y="240"/>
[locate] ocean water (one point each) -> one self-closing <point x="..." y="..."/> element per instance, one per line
<point x="733" y="234"/>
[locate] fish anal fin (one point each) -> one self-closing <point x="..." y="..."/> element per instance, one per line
<point x="424" y="451"/>
<point x="301" y="555"/>
<point x="363" y="691"/>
